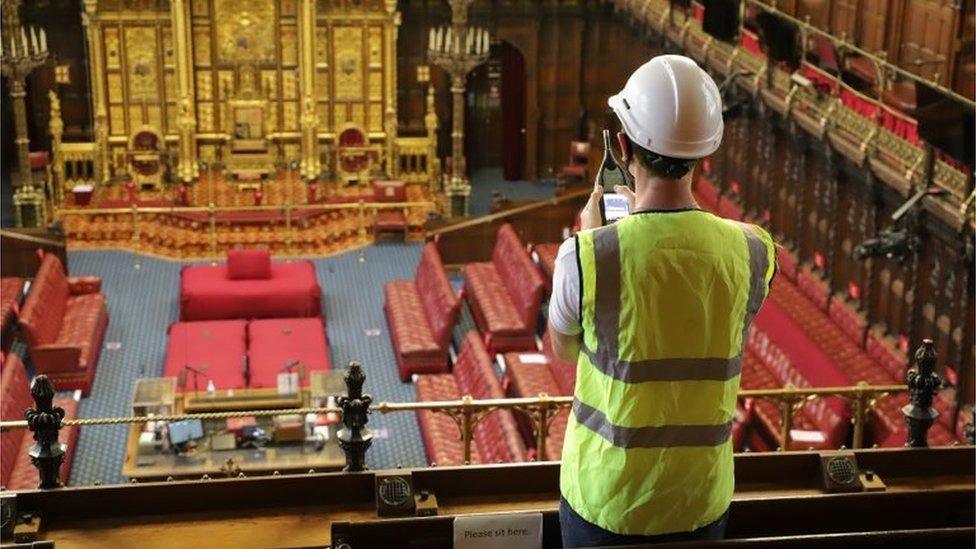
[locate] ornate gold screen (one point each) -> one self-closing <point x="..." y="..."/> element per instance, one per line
<point x="179" y="66"/>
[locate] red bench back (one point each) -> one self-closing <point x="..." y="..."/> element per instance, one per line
<point x="519" y="274"/>
<point x="14" y="400"/>
<point x="813" y="286"/>
<point x="43" y="310"/>
<point x="496" y="435"/>
<point x="564" y="372"/>
<point x="441" y="305"/>
<point x="850" y="321"/>
<point x="786" y="261"/>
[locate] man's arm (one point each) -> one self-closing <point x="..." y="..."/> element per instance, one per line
<point x="566" y="347"/>
<point x="564" y="317"/>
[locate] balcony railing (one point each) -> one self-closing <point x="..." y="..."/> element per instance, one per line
<point x="354" y="407"/>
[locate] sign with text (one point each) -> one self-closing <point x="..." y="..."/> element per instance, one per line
<point x="508" y="530"/>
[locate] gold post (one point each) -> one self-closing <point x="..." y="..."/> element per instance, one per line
<point x="186" y="121"/>
<point x="467" y="426"/>
<point x="543" y="430"/>
<point x="787" y="403"/>
<point x="213" y="229"/>
<point x="860" y="413"/>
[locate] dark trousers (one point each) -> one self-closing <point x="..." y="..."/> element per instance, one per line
<point x="578" y="532"/>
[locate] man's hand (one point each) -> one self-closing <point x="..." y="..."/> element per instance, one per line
<point x="631" y="197"/>
<point x="590" y="215"/>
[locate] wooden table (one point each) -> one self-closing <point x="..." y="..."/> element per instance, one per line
<point x="291" y="457"/>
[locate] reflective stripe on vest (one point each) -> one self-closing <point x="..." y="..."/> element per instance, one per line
<point x="648" y="447"/>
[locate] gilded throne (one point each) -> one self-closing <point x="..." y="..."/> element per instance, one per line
<point x="250" y="159"/>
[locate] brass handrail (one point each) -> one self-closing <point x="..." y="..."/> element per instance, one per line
<point x="215" y="208"/>
<point x="467" y="411"/>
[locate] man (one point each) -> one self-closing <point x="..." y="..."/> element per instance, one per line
<point x="654" y="309"/>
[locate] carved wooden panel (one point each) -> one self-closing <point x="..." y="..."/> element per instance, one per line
<point x="348" y="64"/>
<point x="874" y="24"/>
<point x="927" y="36"/>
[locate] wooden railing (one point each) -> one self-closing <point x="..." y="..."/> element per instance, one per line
<point x="536" y="222"/>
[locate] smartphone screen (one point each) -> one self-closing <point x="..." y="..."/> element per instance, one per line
<point x="615" y="207"/>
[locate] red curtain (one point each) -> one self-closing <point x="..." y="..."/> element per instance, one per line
<point x="513" y="113"/>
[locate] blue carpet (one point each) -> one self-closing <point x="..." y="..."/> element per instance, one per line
<point x="143" y="301"/>
<point x="486" y="180"/>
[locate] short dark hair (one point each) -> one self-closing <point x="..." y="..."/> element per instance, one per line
<point x="660" y="165"/>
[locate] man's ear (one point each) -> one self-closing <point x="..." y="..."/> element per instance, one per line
<point x="624" y="145"/>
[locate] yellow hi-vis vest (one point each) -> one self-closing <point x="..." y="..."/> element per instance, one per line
<point x="666" y="300"/>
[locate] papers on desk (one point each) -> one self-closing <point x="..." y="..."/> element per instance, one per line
<point x="288" y="383"/>
<point x="533" y="358"/>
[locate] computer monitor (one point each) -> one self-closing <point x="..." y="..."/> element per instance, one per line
<point x="181" y="432"/>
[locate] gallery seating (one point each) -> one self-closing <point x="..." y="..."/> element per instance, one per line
<point x="421" y="314"/>
<point x="496" y="436"/>
<point x="16" y="470"/>
<point x="846" y="316"/>
<point x="579" y="155"/>
<point x="249" y="285"/>
<point x="63" y="321"/>
<point x="235" y="354"/>
<point x="505" y="294"/>
<point x="11" y="290"/>
<point x="786" y="262"/>
<point x="813" y="286"/>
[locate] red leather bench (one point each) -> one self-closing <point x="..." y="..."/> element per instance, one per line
<point x="11" y="288"/>
<point x="546" y="255"/>
<point x="786" y="262"/>
<point x="16" y="471"/>
<point x="63" y="321"/>
<point x="883" y="350"/>
<point x="529" y="375"/>
<point x="249" y="285"/>
<point x="706" y="193"/>
<point x="496" y="437"/>
<point x="851" y="321"/>
<point x="275" y="343"/>
<point x="821" y="423"/>
<point x="421" y="314"/>
<point x="813" y="286"/>
<point x="729" y="208"/>
<point x="505" y="294"/>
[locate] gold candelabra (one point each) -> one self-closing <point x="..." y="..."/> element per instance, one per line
<point x="22" y="49"/>
<point x="458" y="48"/>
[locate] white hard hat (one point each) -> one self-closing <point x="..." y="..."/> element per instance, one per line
<point x="671" y="107"/>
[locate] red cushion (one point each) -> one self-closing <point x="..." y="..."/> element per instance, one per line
<point x="248" y="264"/>
<point x="216" y="346"/>
<point x="81" y="322"/>
<point x="813" y="286"/>
<point x="23" y="475"/>
<point x="274" y="343"/>
<point x="390" y="220"/>
<point x="884" y="351"/>
<point x="485" y="287"/>
<point x="563" y="372"/>
<point x="408" y="323"/>
<point x="441" y="437"/>
<point x="851" y="321"/>
<point x="206" y="293"/>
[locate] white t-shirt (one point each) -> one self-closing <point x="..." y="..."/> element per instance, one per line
<point x="564" y="313"/>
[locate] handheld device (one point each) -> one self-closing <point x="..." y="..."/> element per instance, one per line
<point x="614" y="206"/>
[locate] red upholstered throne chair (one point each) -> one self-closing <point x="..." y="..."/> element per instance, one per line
<point x="579" y="156"/>
<point x="390" y="220"/>
<point x="63" y="321"/>
<point x="250" y="285"/>
<point x="421" y="314"/>
<point x="505" y="294"/>
<point x="496" y="437"/>
<point x="16" y="471"/>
